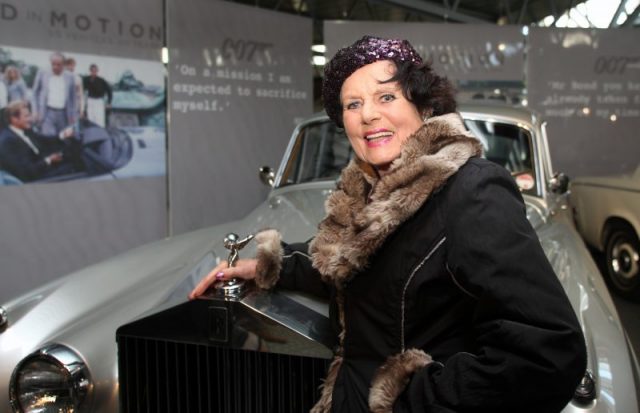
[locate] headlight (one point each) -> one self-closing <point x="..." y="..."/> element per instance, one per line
<point x="52" y="379"/>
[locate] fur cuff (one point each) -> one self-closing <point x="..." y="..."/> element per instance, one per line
<point x="269" y="255"/>
<point x="323" y="405"/>
<point x="392" y="378"/>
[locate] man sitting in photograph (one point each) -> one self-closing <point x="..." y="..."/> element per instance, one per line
<point x="30" y="156"/>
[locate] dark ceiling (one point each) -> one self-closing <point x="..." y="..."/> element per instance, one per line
<point x="453" y="11"/>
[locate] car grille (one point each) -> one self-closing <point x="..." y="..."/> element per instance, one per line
<point x="165" y="376"/>
<point x="165" y="365"/>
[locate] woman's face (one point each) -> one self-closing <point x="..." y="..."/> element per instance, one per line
<point x="12" y="73"/>
<point x="377" y="116"/>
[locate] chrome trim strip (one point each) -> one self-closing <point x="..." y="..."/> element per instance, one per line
<point x="612" y="187"/>
<point x="548" y="166"/>
<point x="4" y="319"/>
<point x="297" y="253"/>
<point x="406" y="285"/>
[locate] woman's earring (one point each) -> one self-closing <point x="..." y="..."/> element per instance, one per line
<point x="425" y="117"/>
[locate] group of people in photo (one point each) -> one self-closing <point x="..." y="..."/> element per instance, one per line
<point x="38" y="130"/>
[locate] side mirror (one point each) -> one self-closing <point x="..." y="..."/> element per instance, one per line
<point x="559" y="184"/>
<point x="267" y="176"/>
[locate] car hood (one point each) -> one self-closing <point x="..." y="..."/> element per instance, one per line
<point x="83" y="310"/>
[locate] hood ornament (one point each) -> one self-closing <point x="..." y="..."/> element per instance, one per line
<point x="233" y="243"/>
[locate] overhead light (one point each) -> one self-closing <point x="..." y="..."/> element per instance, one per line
<point x="319" y="60"/>
<point x="164" y="55"/>
<point x="319" y="48"/>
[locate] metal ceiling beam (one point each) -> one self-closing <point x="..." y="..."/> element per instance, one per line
<point x="371" y="11"/>
<point x="507" y="10"/>
<point x="617" y="14"/>
<point x="523" y="9"/>
<point x="437" y="10"/>
<point x="631" y="18"/>
<point x="352" y="7"/>
<point x="554" y="9"/>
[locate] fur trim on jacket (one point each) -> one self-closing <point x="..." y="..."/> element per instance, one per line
<point x="392" y="378"/>
<point x="269" y="255"/>
<point x="364" y="210"/>
<point x="323" y="405"/>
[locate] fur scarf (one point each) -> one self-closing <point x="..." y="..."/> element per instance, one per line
<point x="365" y="209"/>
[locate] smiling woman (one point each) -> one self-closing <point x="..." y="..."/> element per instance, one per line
<point x="442" y="298"/>
<point x="376" y="115"/>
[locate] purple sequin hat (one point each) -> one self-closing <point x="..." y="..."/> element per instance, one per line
<point x="367" y="50"/>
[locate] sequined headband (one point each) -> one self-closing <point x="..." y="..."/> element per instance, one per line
<point x="347" y="60"/>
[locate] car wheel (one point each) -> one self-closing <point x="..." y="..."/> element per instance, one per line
<point x="623" y="261"/>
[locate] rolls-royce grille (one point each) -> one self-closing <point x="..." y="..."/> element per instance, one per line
<point x="165" y="376"/>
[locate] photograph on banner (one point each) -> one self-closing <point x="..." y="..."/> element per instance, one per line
<point x="485" y="62"/>
<point x="69" y="116"/>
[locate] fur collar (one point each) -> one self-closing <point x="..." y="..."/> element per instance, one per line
<point x="365" y="209"/>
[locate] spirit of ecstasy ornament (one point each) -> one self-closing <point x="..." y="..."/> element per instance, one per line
<point x="234" y="244"/>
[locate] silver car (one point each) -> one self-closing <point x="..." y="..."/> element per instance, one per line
<point x="248" y="350"/>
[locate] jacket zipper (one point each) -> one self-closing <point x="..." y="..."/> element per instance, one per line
<point x="406" y="285"/>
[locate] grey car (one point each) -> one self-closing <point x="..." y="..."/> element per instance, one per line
<point x="244" y="350"/>
<point x="607" y="215"/>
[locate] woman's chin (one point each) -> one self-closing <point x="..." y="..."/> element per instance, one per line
<point x="382" y="167"/>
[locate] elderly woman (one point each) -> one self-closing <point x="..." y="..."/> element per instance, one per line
<point x="441" y="295"/>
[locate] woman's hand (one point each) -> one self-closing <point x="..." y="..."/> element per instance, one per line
<point x="245" y="269"/>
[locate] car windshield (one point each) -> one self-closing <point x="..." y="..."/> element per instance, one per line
<point x="321" y="150"/>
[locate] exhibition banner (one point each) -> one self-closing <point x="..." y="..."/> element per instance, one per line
<point x="121" y="103"/>
<point x="586" y="84"/>
<point x="484" y="61"/>
<point x="82" y="150"/>
<point x="240" y="78"/>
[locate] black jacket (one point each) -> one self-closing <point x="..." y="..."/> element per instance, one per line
<point x="456" y="310"/>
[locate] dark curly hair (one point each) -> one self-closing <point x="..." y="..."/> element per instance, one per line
<point x="430" y="93"/>
<point x="433" y="95"/>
